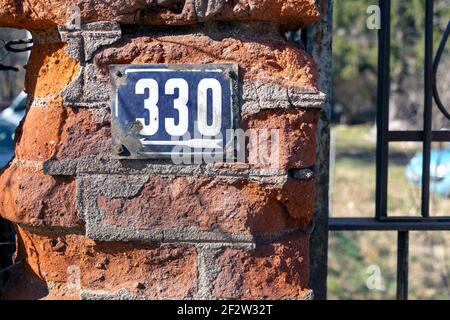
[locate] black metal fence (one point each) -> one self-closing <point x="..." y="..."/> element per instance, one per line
<point x="382" y="221"/>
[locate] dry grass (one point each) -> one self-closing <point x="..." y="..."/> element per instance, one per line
<point x="353" y="193"/>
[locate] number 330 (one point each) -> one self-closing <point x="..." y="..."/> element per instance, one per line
<point x="180" y="104"/>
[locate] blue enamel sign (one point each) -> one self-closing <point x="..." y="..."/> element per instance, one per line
<point x="158" y="109"/>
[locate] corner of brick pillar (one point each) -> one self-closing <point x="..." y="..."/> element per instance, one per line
<point x="90" y="226"/>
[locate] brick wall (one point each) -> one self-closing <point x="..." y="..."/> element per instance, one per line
<point x="92" y="226"/>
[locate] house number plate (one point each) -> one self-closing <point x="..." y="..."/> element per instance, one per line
<point x="161" y="109"/>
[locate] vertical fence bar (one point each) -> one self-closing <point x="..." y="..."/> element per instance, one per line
<point x="402" y="265"/>
<point x="427" y="117"/>
<point x="384" y="52"/>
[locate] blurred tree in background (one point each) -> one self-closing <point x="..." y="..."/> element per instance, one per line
<point x="355" y="55"/>
<point x="355" y="62"/>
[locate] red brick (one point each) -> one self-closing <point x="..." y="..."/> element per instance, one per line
<point x="34" y="141"/>
<point x="297" y="135"/>
<point x="213" y="205"/>
<point x="57" y="132"/>
<point x="273" y="271"/>
<point x="49" y="70"/>
<point x="33" y="198"/>
<point x="83" y="135"/>
<point x="269" y="58"/>
<point x="40" y="14"/>
<point x="154" y="270"/>
<point x="150" y="270"/>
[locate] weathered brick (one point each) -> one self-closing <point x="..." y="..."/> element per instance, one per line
<point x="49" y="70"/>
<point x="35" y="141"/>
<point x="208" y="204"/>
<point x="272" y="271"/>
<point x="68" y="133"/>
<point x="85" y="133"/>
<point x="40" y="14"/>
<point x="150" y="270"/>
<point x="33" y="198"/>
<point x="297" y="135"/>
<point x="49" y="256"/>
<point x="154" y="270"/>
<point x="261" y="53"/>
<point x="221" y="210"/>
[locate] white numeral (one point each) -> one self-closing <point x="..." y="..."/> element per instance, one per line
<point x="150" y="104"/>
<point x="179" y="104"/>
<point x="203" y="87"/>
